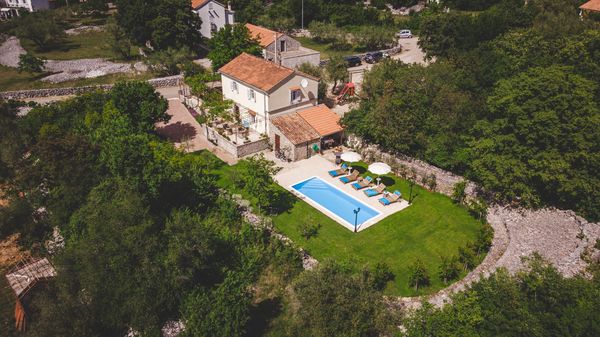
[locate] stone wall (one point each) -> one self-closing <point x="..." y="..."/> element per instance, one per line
<point x="161" y="82"/>
<point x="445" y="180"/>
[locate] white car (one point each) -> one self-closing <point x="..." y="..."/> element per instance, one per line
<point x="405" y="34"/>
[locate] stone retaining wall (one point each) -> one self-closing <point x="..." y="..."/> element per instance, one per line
<point x="237" y="151"/>
<point x="445" y="180"/>
<point x="161" y="82"/>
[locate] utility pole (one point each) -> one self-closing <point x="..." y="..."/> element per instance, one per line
<point x="302" y="14"/>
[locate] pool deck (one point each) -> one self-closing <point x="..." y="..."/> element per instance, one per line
<point x="318" y="166"/>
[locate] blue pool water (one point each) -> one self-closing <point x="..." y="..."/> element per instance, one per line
<point x="335" y="200"/>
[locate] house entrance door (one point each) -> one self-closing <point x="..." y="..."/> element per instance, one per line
<point x="277" y="143"/>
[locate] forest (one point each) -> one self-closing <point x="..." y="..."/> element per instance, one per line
<point x="510" y="102"/>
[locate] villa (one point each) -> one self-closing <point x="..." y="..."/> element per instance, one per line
<point x="282" y="49"/>
<point x="214" y="16"/>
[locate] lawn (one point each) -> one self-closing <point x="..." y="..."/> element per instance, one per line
<point x="433" y="226"/>
<point x="325" y="48"/>
<point x="11" y="79"/>
<point x="80" y="46"/>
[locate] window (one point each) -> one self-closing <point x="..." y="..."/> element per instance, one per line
<point x="251" y="95"/>
<point x="213" y="28"/>
<point x="282" y="45"/>
<point x="296" y="96"/>
<point x="234" y="87"/>
<point x="210" y="5"/>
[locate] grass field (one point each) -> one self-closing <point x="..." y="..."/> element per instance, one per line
<point x="11" y="79"/>
<point x="84" y="45"/>
<point x="324" y="48"/>
<point x="433" y="226"/>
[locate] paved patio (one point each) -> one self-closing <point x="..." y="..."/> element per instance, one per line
<point x="184" y="131"/>
<point x="318" y="166"/>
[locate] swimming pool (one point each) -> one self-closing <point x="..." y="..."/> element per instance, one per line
<point x="334" y="201"/>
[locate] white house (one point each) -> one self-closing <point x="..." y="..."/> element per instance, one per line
<point x="282" y="49"/>
<point x="213" y="14"/>
<point x="262" y="90"/>
<point x="30" y="5"/>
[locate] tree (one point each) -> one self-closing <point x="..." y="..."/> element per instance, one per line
<point x="317" y="72"/>
<point x="418" y="274"/>
<point x="169" y="62"/>
<point x="229" y="42"/>
<point x="449" y="269"/>
<point x="121" y="44"/>
<point x="221" y="312"/>
<point x="336" y="71"/>
<point x="539" y="143"/>
<point x="458" y="192"/>
<point x="381" y="275"/>
<point x="466" y="256"/>
<point x="42" y="28"/>
<point x="175" y="26"/>
<point x="258" y="181"/>
<point x="31" y="64"/>
<point x="333" y="302"/>
<point x="141" y="104"/>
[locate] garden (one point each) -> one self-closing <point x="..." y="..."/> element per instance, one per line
<point x="418" y="250"/>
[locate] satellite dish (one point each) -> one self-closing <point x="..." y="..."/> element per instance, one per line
<point x="304" y="83"/>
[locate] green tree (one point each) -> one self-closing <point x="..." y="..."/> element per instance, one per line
<point x="175" y="26"/>
<point x="419" y="276"/>
<point x="458" y="192"/>
<point x="336" y="71"/>
<point x="317" y="72"/>
<point x="141" y="104"/>
<point x="467" y="256"/>
<point x="121" y="44"/>
<point x="169" y="61"/>
<point x="541" y="140"/>
<point x="449" y="269"/>
<point x="258" y="181"/>
<point x="42" y="28"/>
<point x="334" y="302"/>
<point x="31" y="64"/>
<point x="229" y="42"/>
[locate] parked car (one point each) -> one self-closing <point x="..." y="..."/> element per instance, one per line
<point x="353" y="61"/>
<point x="374" y="57"/>
<point x="405" y="34"/>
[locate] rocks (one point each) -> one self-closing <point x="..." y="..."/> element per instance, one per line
<point x="10" y="51"/>
<point x="84" y="29"/>
<point x="83" y="68"/>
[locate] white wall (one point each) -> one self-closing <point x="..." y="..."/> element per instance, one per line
<point x="218" y="15"/>
<point x="258" y="105"/>
<point x="30" y="5"/>
<point x="280" y="98"/>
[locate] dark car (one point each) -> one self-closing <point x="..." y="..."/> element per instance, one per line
<point x="374" y="57"/>
<point x="353" y="61"/>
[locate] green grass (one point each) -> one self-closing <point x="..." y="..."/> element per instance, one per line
<point x="433" y="226"/>
<point x="11" y="79"/>
<point x="324" y="48"/>
<point x="80" y="46"/>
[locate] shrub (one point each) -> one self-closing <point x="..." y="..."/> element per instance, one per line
<point x="381" y="275"/>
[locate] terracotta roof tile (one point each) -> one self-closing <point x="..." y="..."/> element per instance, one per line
<point x="264" y="35"/>
<point x="295" y="128"/>
<point x="199" y="3"/>
<point x="592" y="5"/>
<point x="256" y="71"/>
<point x="322" y="119"/>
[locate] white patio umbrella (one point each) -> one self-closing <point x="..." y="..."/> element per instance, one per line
<point x="351" y="157"/>
<point x="379" y="169"/>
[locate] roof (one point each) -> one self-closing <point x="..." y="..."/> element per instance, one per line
<point x="200" y="3"/>
<point x="322" y="119"/>
<point x="25" y="276"/>
<point x="256" y="71"/>
<point x="264" y="35"/>
<point x="592" y="5"/>
<point x="295" y="128"/>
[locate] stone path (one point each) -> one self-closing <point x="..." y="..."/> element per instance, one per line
<point x="67" y="70"/>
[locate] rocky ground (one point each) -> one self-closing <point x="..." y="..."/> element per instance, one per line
<point x="64" y="71"/>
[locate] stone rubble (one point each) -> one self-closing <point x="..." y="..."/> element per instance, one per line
<point x="84" y="29"/>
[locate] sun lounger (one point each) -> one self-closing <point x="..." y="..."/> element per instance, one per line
<point x="352" y="177"/>
<point x="342" y="170"/>
<point x="390" y="199"/>
<point x="371" y="192"/>
<point x="362" y="183"/>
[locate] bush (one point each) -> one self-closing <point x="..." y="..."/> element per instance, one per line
<point x="31" y="64"/>
<point x="168" y="62"/>
<point x="309" y="229"/>
<point x="458" y="192"/>
<point x="381" y="275"/>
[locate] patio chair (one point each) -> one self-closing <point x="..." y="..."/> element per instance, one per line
<point x="371" y="192"/>
<point x="362" y="183"/>
<point x="352" y="177"/>
<point x="390" y="199"/>
<point x="342" y="170"/>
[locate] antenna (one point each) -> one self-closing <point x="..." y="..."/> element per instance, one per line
<point x="304" y="83"/>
